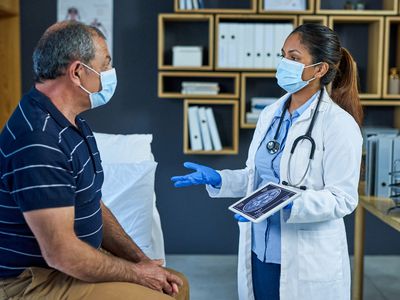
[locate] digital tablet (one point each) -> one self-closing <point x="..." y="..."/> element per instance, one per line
<point x="265" y="201"/>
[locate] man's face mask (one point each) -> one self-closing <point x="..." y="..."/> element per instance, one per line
<point x="108" y="80"/>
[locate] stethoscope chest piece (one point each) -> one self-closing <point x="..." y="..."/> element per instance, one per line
<point x="273" y="146"/>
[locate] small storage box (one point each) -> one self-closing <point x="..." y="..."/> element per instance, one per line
<point x="187" y="56"/>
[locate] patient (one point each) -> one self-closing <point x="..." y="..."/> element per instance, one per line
<point x="57" y="238"/>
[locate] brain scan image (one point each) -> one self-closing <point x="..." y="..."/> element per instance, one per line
<point x="261" y="200"/>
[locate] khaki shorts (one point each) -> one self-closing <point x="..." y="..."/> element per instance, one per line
<point x="40" y="283"/>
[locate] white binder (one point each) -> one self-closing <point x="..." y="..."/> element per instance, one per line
<point x="241" y="45"/>
<point x="189" y="4"/>
<point x="282" y="31"/>
<point x="383" y="167"/>
<point x="268" y="46"/>
<point x="258" y="45"/>
<point x="182" y="4"/>
<point x="212" y="125"/>
<point x="233" y="45"/>
<point x="205" y="132"/>
<point x="195" y="4"/>
<point x="194" y="128"/>
<point x="249" y="45"/>
<point x="223" y="32"/>
<point x="370" y="164"/>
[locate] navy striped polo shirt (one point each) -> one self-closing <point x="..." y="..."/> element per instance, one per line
<point x="45" y="162"/>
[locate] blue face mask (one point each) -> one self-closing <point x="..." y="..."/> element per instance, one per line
<point x="289" y="74"/>
<point x="108" y="80"/>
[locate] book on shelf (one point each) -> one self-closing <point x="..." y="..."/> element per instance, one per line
<point x="251" y="45"/>
<point x="191" y="4"/>
<point x="200" y="88"/>
<point x="257" y="106"/>
<point x="203" y="129"/>
<point x="194" y="128"/>
<point x="291" y="5"/>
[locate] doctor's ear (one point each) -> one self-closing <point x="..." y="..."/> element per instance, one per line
<point x="323" y="68"/>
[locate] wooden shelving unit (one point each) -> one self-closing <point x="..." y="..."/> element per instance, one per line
<point x="363" y="37"/>
<point x="376" y="7"/>
<point x="303" y="19"/>
<point x="201" y="32"/>
<point x="226" y="121"/>
<point x="169" y="84"/>
<point x="239" y="7"/>
<point x="372" y="35"/>
<point x="392" y="53"/>
<point x="309" y="9"/>
<point x="10" y="71"/>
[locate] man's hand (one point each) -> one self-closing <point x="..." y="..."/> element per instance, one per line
<point x="152" y="275"/>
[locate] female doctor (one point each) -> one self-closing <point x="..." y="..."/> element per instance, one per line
<point x="311" y="140"/>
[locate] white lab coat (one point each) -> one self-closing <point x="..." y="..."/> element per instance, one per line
<point x="314" y="255"/>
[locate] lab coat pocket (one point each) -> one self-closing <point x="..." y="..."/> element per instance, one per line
<point x="319" y="254"/>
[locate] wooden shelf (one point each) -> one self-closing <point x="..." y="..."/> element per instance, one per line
<point x="256" y="85"/>
<point x="10" y="71"/>
<point x="250" y="19"/>
<point x="309" y="10"/>
<point x="229" y="84"/>
<point x="378" y="8"/>
<point x="303" y="19"/>
<point x="363" y="37"/>
<point x="392" y="53"/>
<point x="380" y="102"/>
<point x="225" y="122"/>
<point x="212" y="7"/>
<point x="200" y="33"/>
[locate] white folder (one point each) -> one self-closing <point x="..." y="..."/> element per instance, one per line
<point x="258" y="45"/>
<point x="370" y="165"/>
<point x="182" y="4"/>
<point x="383" y="165"/>
<point x="223" y="32"/>
<point x="205" y="132"/>
<point x="212" y="125"/>
<point x="189" y="4"/>
<point x="241" y="45"/>
<point x="268" y="46"/>
<point x="195" y="4"/>
<point x="249" y="45"/>
<point x="194" y="128"/>
<point x="233" y="45"/>
<point x="282" y="31"/>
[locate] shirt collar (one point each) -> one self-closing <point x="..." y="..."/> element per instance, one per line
<point x="297" y="113"/>
<point x="45" y="103"/>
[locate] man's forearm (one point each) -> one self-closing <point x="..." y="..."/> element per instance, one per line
<point x="116" y="241"/>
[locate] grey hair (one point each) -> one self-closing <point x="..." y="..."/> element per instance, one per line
<point x="60" y="45"/>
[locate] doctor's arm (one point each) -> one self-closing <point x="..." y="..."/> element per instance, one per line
<point x="341" y="170"/>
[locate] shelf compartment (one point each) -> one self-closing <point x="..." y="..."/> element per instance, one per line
<point x="226" y="114"/>
<point x="256" y="85"/>
<point x="172" y="33"/>
<point x="314" y="19"/>
<point x="249" y="19"/>
<point x="309" y="9"/>
<point x="221" y="6"/>
<point x="373" y="7"/>
<point x="169" y="84"/>
<point x="9" y="8"/>
<point x="392" y="53"/>
<point x="363" y="37"/>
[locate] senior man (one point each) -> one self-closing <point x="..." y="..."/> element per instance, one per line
<point x="54" y="227"/>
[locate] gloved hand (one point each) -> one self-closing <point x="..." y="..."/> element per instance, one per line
<point x="203" y="175"/>
<point x="239" y="218"/>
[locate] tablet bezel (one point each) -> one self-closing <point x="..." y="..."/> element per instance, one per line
<point x="271" y="211"/>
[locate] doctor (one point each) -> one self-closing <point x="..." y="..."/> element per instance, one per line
<point x="300" y="252"/>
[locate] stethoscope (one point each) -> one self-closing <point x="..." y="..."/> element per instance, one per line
<point x="273" y="146"/>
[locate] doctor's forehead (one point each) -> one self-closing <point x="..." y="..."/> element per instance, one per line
<point x="293" y="44"/>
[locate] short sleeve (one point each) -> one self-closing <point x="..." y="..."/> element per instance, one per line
<point x="38" y="173"/>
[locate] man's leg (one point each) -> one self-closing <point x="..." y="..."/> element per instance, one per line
<point x="39" y="283"/>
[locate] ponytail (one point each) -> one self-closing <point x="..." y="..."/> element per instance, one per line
<point x="344" y="87"/>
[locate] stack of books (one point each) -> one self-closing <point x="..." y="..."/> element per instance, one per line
<point x="200" y="88"/>
<point x="257" y="105"/>
<point x="203" y="131"/>
<point x="191" y="4"/>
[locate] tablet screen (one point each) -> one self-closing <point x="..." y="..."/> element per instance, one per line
<point x="263" y="201"/>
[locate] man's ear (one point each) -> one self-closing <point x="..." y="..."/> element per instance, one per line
<point x="75" y="71"/>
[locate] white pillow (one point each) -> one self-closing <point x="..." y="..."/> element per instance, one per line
<point x="128" y="191"/>
<point x="124" y="148"/>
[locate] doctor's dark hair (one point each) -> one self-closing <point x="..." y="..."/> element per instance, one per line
<point x="324" y="46"/>
<point x="61" y="44"/>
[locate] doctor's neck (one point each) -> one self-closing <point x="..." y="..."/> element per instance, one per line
<point x="302" y="96"/>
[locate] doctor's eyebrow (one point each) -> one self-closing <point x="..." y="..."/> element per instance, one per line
<point x="291" y="51"/>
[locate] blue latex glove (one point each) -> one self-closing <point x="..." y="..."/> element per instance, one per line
<point x="241" y="218"/>
<point x="203" y="175"/>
